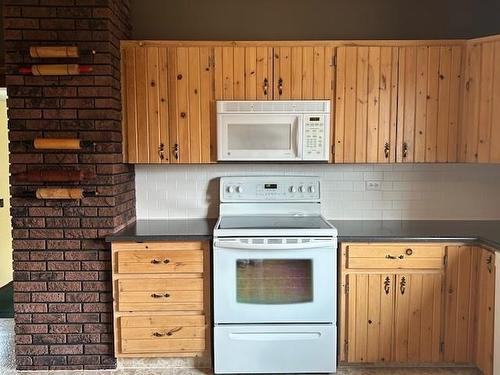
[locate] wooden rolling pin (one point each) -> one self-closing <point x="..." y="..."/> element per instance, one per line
<point x="56" y="70"/>
<point x="58" y="193"/>
<point x="54" y="51"/>
<point x="53" y="175"/>
<point x="60" y="143"/>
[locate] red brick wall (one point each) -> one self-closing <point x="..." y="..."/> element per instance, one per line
<point x="61" y="261"/>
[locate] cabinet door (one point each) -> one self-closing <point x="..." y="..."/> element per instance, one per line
<point x="366" y="104"/>
<point x="428" y="103"/>
<point x="303" y="73"/>
<point x="370" y="309"/>
<point x="460" y="302"/>
<point x="243" y="73"/>
<point x="191" y="113"/>
<point x="481" y="112"/>
<point x="485" y="313"/>
<point x="145" y="112"/>
<point x="417" y="332"/>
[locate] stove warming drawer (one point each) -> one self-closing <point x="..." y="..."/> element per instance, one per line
<point x="275" y="348"/>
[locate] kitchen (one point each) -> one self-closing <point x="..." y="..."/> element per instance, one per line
<point x="371" y="157"/>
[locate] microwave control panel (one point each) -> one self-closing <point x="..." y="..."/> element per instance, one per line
<point x="315" y="137"/>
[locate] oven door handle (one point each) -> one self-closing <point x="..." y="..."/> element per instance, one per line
<point x="274" y="336"/>
<point x="281" y="246"/>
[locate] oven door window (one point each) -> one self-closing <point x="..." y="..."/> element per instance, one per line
<point x="274" y="281"/>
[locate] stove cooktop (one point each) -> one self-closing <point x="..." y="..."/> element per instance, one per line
<point x="273" y="222"/>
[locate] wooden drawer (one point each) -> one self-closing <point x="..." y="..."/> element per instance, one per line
<point x="160" y="261"/>
<point x="387" y="256"/>
<point x="162" y="334"/>
<point x="170" y="294"/>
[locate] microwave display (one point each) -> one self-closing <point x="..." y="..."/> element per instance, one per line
<point x="314" y="119"/>
<point x="271" y="186"/>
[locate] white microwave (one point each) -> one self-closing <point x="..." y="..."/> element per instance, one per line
<point x="295" y="130"/>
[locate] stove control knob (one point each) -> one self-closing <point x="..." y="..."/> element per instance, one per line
<point x="239" y="189"/>
<point x="230" y="189"/>
<point x="311" y="189"/>
<point x="293" y="189"/>
<point x="302" y="189"/>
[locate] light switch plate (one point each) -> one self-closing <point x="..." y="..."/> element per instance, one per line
<point x="373" y="185"/>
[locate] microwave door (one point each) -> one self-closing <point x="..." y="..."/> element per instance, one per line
<point x="259" y="137"/>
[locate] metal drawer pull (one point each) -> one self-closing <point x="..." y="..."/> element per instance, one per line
<point x="158" y="295"/>
<point x="388" y="256"/>
<point x="409" y="252"/>
<point x="169" y="333"/>
<point x="387" y="285"/>
<point x="166" y="261"/>
<point x="156" y="261"/>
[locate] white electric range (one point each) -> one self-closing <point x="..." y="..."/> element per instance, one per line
<point x="275" y="277"/>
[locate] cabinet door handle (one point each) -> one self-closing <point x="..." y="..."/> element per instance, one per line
<point x="166" y="261"/>
<point x="280" y="86"/>
<point x="405" y="149"/>
<point x="489" y="263"/>
<point x="158" y="334"/>
<point x="266" y="86"/>
<point x="387" y="149"/>
<point x="176" y="151"/>
<point x="387" y="285"/>
<point x="402" y="285"/>
<point x="156" y="295"/>
<point x="161" y="153"/>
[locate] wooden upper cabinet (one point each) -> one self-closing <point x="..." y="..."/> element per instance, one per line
<point x="428" y="103"/>
<point x="191" y="114"/>
<point x="480" y="136"/>
<point x="302" y="73"/>
<point x="145" y="108"/>
<point x="365" y="104"/>
<point x="168" y="109"/>
<point x="243" y="73"/>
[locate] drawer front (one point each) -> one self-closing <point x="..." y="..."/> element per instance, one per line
<point x="160" y="294"/>
<point x="162" y="334"/>
<point x="160" y="261"/>
<point x="395" y="256"/>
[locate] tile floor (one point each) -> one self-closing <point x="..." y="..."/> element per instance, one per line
<point x="7" y="364"/>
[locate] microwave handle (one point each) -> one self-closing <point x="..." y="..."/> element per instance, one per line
<point x="297" y="137"/>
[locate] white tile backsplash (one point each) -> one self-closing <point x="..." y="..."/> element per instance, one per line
<point x="413" y="191"/>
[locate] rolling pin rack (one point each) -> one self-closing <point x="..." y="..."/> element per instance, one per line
<point x="57" y="175"/>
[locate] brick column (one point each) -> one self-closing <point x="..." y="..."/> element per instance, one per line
<point x="62" y="286"/>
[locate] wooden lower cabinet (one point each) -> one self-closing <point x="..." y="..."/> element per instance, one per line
<point x="161" y="293"/>
<point x="443" y="314"/>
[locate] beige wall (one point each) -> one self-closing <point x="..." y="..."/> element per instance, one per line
<point x="5" y="228"/>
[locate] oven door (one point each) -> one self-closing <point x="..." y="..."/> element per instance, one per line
<point x="259" y="137"/>
<point x="275" y="283"/>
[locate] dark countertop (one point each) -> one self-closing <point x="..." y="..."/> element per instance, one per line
<point x="157" y="230"/>
<point x="481" y="232"/>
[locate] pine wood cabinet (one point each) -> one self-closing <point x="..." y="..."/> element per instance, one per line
<point x="397" y="104"/>
<point x="168" y="104"/>
<point x="274" y="73"/>
<point x="417" y="311"/>
<point x="161" y="298"/>
<point x="480" y="134"/>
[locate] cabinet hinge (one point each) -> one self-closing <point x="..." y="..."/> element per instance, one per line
<point x="441" y="347"/>
<point x="211" y="61"/>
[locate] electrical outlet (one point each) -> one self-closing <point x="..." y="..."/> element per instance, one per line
<point x="373" y="185"/>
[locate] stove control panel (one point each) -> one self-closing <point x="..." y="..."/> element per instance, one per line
<point x="275" y="189"/>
